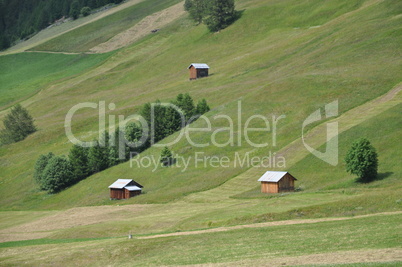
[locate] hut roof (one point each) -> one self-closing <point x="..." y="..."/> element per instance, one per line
<point x="272" y="176"/>
<point x="199" y="66"/>
<point x="133" y="188"/>
<point x="124" y="183"/>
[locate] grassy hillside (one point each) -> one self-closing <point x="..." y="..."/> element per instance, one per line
<point x="213" y="208"/>
<point x="280" y="58"/>
<point x="85" y="37"/>
<point x="278" y="68"/>
<point x="23" y="75"/>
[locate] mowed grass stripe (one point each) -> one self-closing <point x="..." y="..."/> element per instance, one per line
<point x="376" y="232"/>
<point x="82" y="39"/>
<point x="46" y="241"/>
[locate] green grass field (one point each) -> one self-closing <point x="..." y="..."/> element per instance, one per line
<point x="254" y="246"/>
<point x="280" y="58"/>
<point x="23" y="75"/>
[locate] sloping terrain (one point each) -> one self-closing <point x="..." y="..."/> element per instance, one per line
<point x="287" y="58"/>
<point x="274" y="70"/>
<point x="150" y="23"/>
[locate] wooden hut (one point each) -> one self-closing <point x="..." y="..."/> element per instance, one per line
<point x="276" y="182"/>
<point x="124" y="189"/>
<point x="198" y="70"/>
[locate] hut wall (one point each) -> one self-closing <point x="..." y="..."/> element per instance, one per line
<point x="132" y="193"/>
<point x="193" y="73"/>
<point x="287" y="183"/>
<point x="117" y="193"/>
<point x="269" y="187"/>
<point x="202" y="73"/>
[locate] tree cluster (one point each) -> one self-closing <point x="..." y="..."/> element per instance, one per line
<point x="20" y="19"/>
<point x="167" y="119"/>
<point x="216" y="14"/>
<point x="55" y="173"/>
<point x="18" y="124"/>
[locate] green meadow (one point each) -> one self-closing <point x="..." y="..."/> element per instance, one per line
<point x="281" y="58"/>
<point x="254" y="246"/>
<point x="23" y="75"/>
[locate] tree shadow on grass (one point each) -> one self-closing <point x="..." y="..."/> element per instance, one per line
<point x="379" y="177"/>
<point x="238" y="15"/>
<point x="383" y="175"/>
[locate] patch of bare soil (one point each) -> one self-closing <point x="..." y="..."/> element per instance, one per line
<point x="267" y="224"/>
<point x="144" y="27"/>
<point x="66" y="219"/>
<point x="339" y="257"/>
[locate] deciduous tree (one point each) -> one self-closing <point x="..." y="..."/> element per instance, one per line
<point x="362" y="160"/>
<point x="57" y="175"/>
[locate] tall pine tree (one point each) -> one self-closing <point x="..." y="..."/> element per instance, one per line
<point x="97" y="158"/>
<point x="78" y="158"/>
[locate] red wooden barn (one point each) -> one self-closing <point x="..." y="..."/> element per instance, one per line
<point x="276" y="182"/>
<point x="198" y="70"/>
<point x="124" y="189"/>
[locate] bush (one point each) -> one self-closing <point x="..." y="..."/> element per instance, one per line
<point x="361" y="160"/>
<point x="57" y="175"/>
<point x="85" y="11"/>
<point x="18" y="125"/>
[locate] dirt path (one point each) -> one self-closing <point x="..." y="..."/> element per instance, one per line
<point x="339" y="257"/>
<point x="266" y="224"/>
<point x="141" y="29"/>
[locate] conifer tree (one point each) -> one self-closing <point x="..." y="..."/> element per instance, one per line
<point x="166" y="157"/>
<point x="97" y="158"/>
<point x="40" y="166"/>
<point x="18" y="125"/>
<point x="75" y="9"/>
<point x="186" y="104"/>
<point x="78" y="157"/>
<point x="202" y="107"/>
